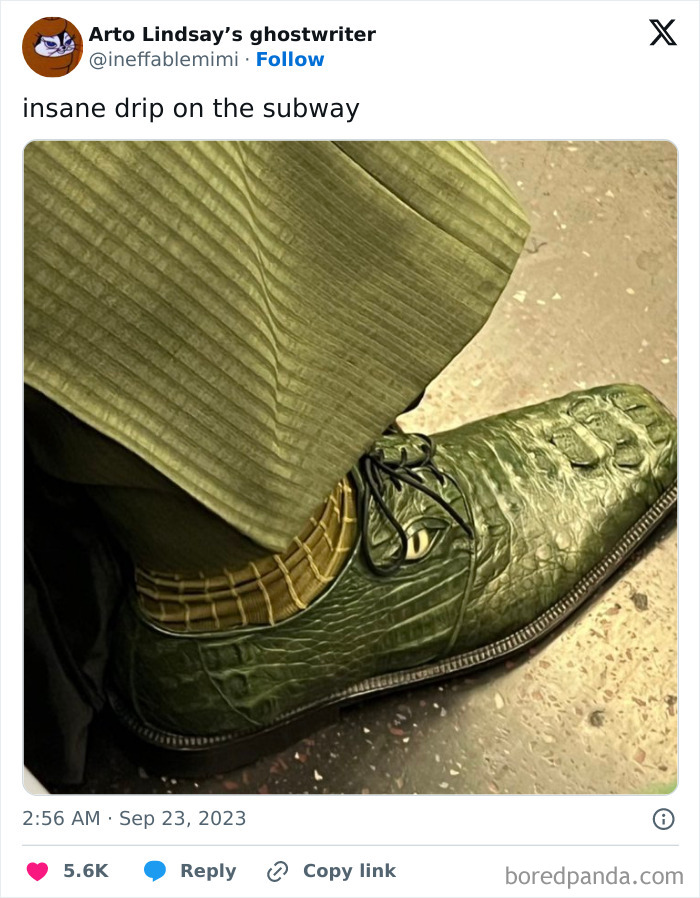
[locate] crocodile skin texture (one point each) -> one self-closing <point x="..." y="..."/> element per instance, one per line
<point x="547" y="491"/>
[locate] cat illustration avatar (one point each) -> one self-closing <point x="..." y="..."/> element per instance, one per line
<point x="52" y="47"/>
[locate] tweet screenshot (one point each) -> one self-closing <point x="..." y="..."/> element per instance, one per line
<point x="349" y="353"/>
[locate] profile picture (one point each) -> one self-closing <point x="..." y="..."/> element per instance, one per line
<point x="52" y="47"/>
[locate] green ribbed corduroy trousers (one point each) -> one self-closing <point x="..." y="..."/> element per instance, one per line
<point x="247" y="317"/>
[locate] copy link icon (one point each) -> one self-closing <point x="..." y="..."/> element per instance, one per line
<point x="277" y="871"/>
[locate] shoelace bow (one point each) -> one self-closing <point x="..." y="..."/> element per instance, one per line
<point x="376" y="472"/>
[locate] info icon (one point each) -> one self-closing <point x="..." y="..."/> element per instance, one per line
<point x="663" y="818"/>
<point x="52" y="47"/>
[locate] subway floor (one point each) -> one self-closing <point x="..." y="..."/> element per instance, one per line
<point x="592" y="301"/>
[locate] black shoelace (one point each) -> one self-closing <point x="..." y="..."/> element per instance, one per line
<point x="376" y="472"/>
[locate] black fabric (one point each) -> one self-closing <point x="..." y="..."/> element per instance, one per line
<point x="74" y="578"/>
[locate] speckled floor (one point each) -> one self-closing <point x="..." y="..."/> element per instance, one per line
<point x="593" y="300"/>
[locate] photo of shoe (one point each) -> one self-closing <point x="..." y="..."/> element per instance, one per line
<point x="471" y="546"/>
<point x="350" y="466"/>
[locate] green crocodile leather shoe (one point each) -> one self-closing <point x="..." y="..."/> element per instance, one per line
<point x="471" y="546"/>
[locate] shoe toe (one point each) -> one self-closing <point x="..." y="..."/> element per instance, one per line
<point x="554" y="489"/>
<point x="639" y="432"/>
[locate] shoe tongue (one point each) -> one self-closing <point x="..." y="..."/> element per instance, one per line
<point x="404" y="448"/>
<point x="400" y="451"/>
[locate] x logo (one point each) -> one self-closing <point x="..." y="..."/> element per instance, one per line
<point x="663" y="32"/>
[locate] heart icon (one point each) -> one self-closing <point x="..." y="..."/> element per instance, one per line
<point x="37" y="871"/>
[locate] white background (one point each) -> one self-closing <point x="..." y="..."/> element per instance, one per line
<point x="488" y="70"/>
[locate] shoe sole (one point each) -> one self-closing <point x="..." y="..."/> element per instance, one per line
<point x="193" y="756"/>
